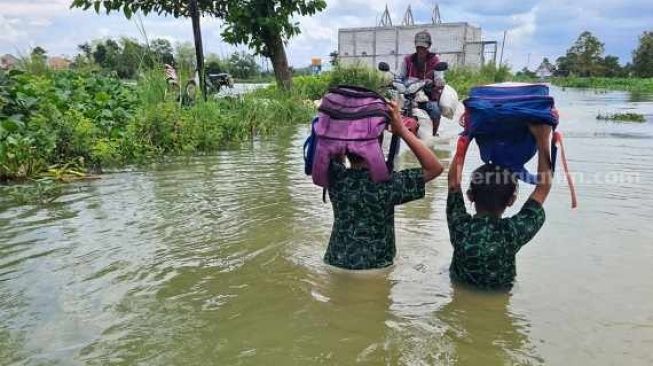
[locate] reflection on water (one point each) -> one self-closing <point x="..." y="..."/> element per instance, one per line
<point x="218" y="260"/>
<point x="483" y="331"/>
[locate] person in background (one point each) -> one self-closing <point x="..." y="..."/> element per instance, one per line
<point x="421" y="65"/>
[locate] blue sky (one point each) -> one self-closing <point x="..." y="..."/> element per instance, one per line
<point x="535" y="27"/>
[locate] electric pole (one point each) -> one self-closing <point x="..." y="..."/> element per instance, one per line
<point x="199" y="50"/>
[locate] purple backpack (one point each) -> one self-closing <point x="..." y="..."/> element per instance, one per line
<point x="350" y="119"/>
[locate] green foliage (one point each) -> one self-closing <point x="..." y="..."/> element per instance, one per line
<point x="57" y="117"/>
<point x="243" y="66"/>
<point x="256" y="23"/>
<point x="630" y="84"/>
<point x="315" y="86"/>
<point x="625" y="117"/>
<point x="40" y="191"/>
<point x="643" y="56"/>
<point x="463" y="78"/>
<point x="262" y="25"/>
<point x="125" y="57"/>
<point x="358" y="75"/>
<point x="60" y="123"/>
<point x="585" y="58"/>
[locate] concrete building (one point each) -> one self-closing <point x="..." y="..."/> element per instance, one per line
<point x="8" y="62"/>
<point x="545" y="70"/>
<point x="59" y="63"/>
<point x="459" y="44"/>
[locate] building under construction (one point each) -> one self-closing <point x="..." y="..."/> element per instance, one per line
<point x="459" y="44"/>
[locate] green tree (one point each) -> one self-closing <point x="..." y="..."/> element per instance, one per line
<point x="643" y="56"/>
<point x="216" y="65"/>
<point x="185" y="57"/>
<point x="610" y="67"/>
<point x="526" y="73"/>
<point x="263" y="25"/>
<point x="162" y="50"/>
<point x="131" y="59"/>
<point x="584" y="58"/>
<point x="243" y="66"/>
<point x="38" y="60"/>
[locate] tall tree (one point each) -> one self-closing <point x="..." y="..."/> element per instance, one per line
<point x="263" y="25"/>
<point x="643" y="56"/>
<point x="162" y="50"/>
<point x="243" y="66"/>
<point x="610" y="66"/>
<point x="584" y="57"/>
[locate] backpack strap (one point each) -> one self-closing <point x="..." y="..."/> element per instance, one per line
<point x="355" y="91"/>
<point x="557" y="139"/>
<point x="392" y="153"/>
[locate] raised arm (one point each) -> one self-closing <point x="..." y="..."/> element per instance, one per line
<point x="427" y="159"/>
<point x="456" y="165"/>
<point x="542" y="135"/>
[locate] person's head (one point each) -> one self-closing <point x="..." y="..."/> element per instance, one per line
<point x="492" y="189"/>
<point x="422" y="43"/>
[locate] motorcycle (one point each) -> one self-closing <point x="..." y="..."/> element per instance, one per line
<point x="214" y="82"/>
<point x="412" y="93"/>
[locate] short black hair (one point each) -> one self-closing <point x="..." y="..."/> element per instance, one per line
<point x="492" y="187"/>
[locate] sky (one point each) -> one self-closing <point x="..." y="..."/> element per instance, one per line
<point x="535" y="28"/>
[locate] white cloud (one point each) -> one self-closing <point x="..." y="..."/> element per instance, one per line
<point x="10" y="30"/>
<point x="537" y="27"/>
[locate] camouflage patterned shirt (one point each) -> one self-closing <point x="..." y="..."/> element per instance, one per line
<point x="485" y="247"/>
<point x="363" y="234"/>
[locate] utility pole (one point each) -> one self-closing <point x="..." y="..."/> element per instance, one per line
<point x="199" y="50"/>
<point x="502" y="45"/>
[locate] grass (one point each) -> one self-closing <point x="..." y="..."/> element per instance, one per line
<point x="641" y="85"/>
<point x="622" y="117"/>
<point x="464" y="78"/>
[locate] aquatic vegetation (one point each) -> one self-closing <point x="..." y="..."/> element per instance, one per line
<point x="40" y="192"/>
<point x="643" y="85"/>
<point x="625" y="117"/>
<point x="55" y="117"/>
<point x="58" y="123"/>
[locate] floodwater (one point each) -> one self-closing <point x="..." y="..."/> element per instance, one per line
<point x="217" y="261"/>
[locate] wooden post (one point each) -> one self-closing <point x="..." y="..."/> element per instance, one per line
<point x="199" y="50"/>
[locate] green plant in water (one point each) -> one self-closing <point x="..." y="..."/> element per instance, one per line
<point x="623" y="117"/>
<point x="41" y="191"/>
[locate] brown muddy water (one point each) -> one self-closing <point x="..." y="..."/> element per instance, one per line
<point x="218" y="261"/>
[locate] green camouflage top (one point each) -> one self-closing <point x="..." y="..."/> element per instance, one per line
<point x="484" y="247"/>
<point x="363" y="234"/>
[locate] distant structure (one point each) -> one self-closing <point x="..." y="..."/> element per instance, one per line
<point x="8" y="62"/>
<point x="459" y="44"/>
<point x="316" y="65"/>
<point x="59" y="63"/>
<point x="545" y="70"/>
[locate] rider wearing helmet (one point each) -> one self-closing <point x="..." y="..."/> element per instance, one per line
<point x="421" y="65"/>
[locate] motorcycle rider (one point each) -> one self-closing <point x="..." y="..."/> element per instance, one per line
<point x="421" y="65"/>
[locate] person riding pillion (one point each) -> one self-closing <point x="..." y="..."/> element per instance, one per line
<point x="421" y="65"/>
